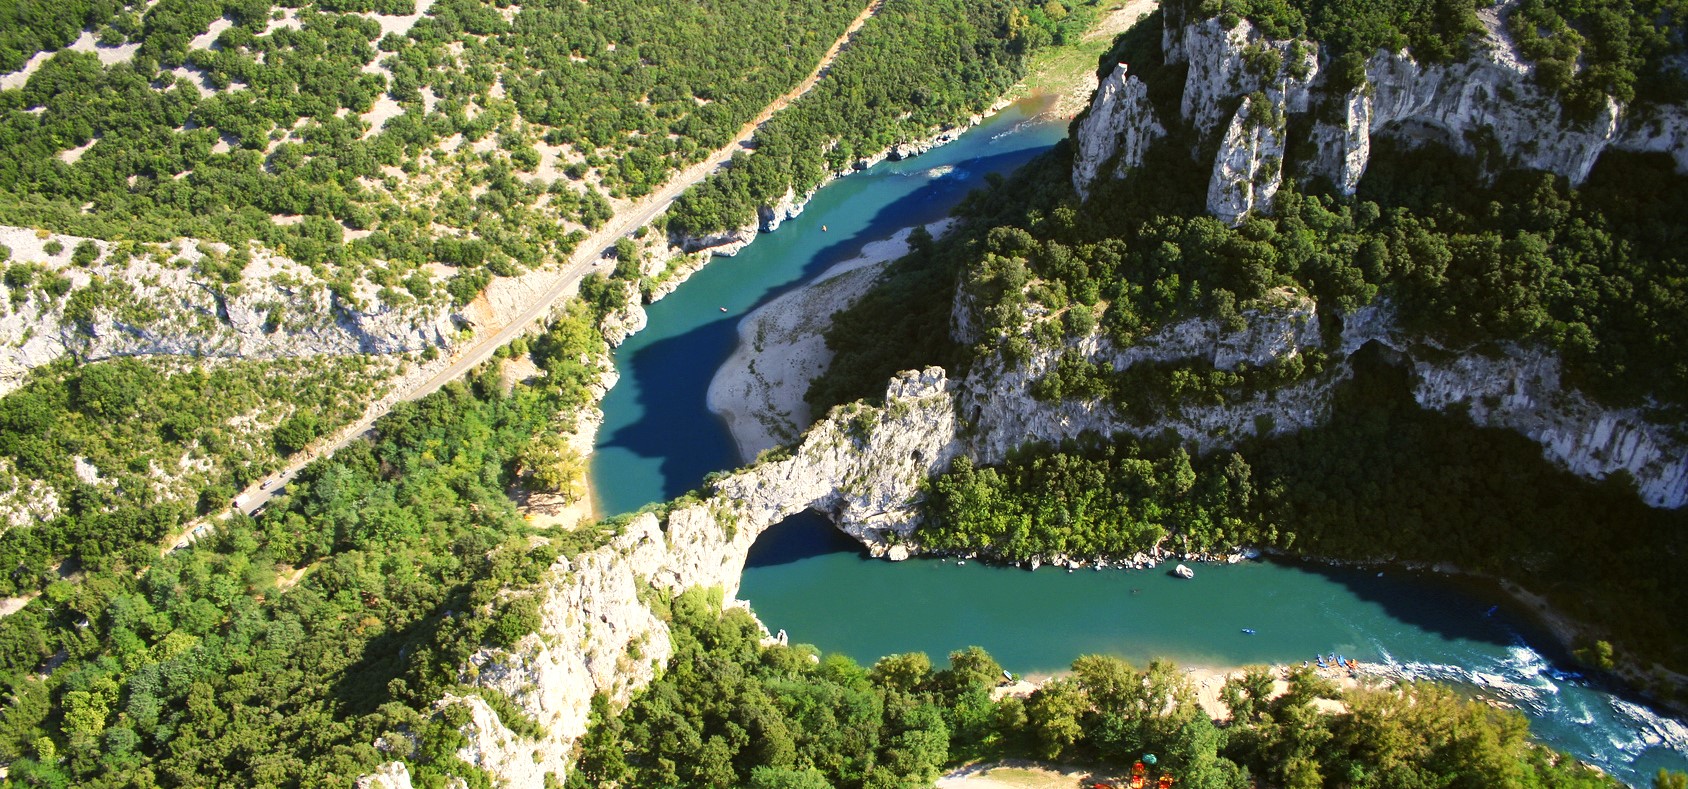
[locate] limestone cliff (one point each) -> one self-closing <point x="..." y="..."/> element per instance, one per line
<point x="1249" y="168"/>
<point x="1121" y="124"/>
<point x="1500" y="385"/>
<point x="599" y="636"/>
<point x="1519" y="388"/>
<point x="997" y="403"/>
<point x="1227" y="63"/>
<point x="165" y="301"/>
<point x="1487" y="106"/>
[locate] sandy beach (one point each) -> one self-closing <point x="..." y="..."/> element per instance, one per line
<point x="759" y="390"/>
<point x="1208" y="681"/>
<point x="1021" y="774"/>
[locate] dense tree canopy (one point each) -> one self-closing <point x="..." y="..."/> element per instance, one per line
<point x="918" y="65"/>
<point x="277" y="651"/>
<point x="731" y="713"/>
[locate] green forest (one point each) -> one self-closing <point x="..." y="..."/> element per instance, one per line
<point x="165" y="440"/>
<point x="310" y="643"/>
<point x="1594" y="273"/>
<point x="732" y="713"/>
<point x="1382" y="481"/>
<point x="215" y="143"/>
<point x="276" y="651"/>
<point x="916" y="66"/>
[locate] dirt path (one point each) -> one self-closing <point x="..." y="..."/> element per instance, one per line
<point x="1022" y="774"/>
<point x="585" y="259"/>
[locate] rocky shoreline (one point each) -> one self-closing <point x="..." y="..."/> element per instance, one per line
<point x="727" y="243"/>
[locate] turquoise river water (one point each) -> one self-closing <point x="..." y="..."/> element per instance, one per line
<point x="659" y="439"/>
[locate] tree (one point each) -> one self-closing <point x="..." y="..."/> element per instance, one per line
<point x="1052" y="715"/>
<point x="776" y="778"/>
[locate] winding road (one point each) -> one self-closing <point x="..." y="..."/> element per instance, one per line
<point x="586" y="257"/>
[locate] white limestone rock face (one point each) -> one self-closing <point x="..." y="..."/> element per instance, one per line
<point x="1519" y="389"/>
<point x="996" y="398"/>
<point x="1276" y="77"/>
<point x="787" y="207"/>
<point x="591" y="614"/>
<point x="1225" y="64"/>
<point x="631" y="319"/>
<point x="1512" y="386"/>
<point x="158" y="304"/>
<point x="1488" y="100"/>
<point x="597" y="635"/>
<point x="1487" y="106"/>
<point x="943" y="137"/>
<point x="1343" y="150"/>
<point x="1658" y="130"/>
<point x="392" y="775"/>
<point x="1249" y="167"/>
<point x="1121" y="124"/>
<point x="726" y="243"/>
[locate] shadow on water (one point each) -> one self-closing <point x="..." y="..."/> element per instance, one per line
<point x="1453" y="609"/>
<point x="676" y="425"/>
<point x="678" y="415"/>
<point x="805" y="535"/>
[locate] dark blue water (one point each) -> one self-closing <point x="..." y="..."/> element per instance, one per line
<point x="659" y="440"/>
<point x="659" y="437"/>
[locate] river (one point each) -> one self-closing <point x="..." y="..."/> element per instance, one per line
<point x="659" y="439"/>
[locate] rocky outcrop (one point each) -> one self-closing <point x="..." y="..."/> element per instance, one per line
<point x="160" y="303"/>
<point x="1249" y="168"/>
<point x="598" y="635"/>
<point x="1344" y="149"/>
<point x="726" y="243"/>
<point x="944" y="136"/>
<point x="1519" y="388"/>
<point x="628" y="320"/>
<point x="1227" y="63"/>
<point x="997" y="403"/>
<point x="1487" y="106"/>
<point x="392" y="775"/>
<point x="787" y="207"/>
<point x="1119" y="128"/>
<point x="1274" y="79"/>
<point x="1509" y="386"/>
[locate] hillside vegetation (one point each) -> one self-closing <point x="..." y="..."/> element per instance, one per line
<point x="477" y="135"/>
<point x="277" y="651"/>
<point x="1465" y="260"/>
<point x="730" y="712"/>
<point x="918" y="65"/>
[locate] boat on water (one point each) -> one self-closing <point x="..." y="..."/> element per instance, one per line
<point x="1248" y="631"/>
<point x="1183" y="571"/>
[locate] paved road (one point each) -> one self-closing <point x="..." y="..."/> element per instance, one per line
<point x="582" y="262"/>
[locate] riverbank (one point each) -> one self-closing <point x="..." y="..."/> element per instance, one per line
<point x="1208" y="682"/>
<point x="1064" y="75"/>
<point x="759" y="390"/>
<point x="1069" y="72"/>
<point x="1651" y="682"/>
